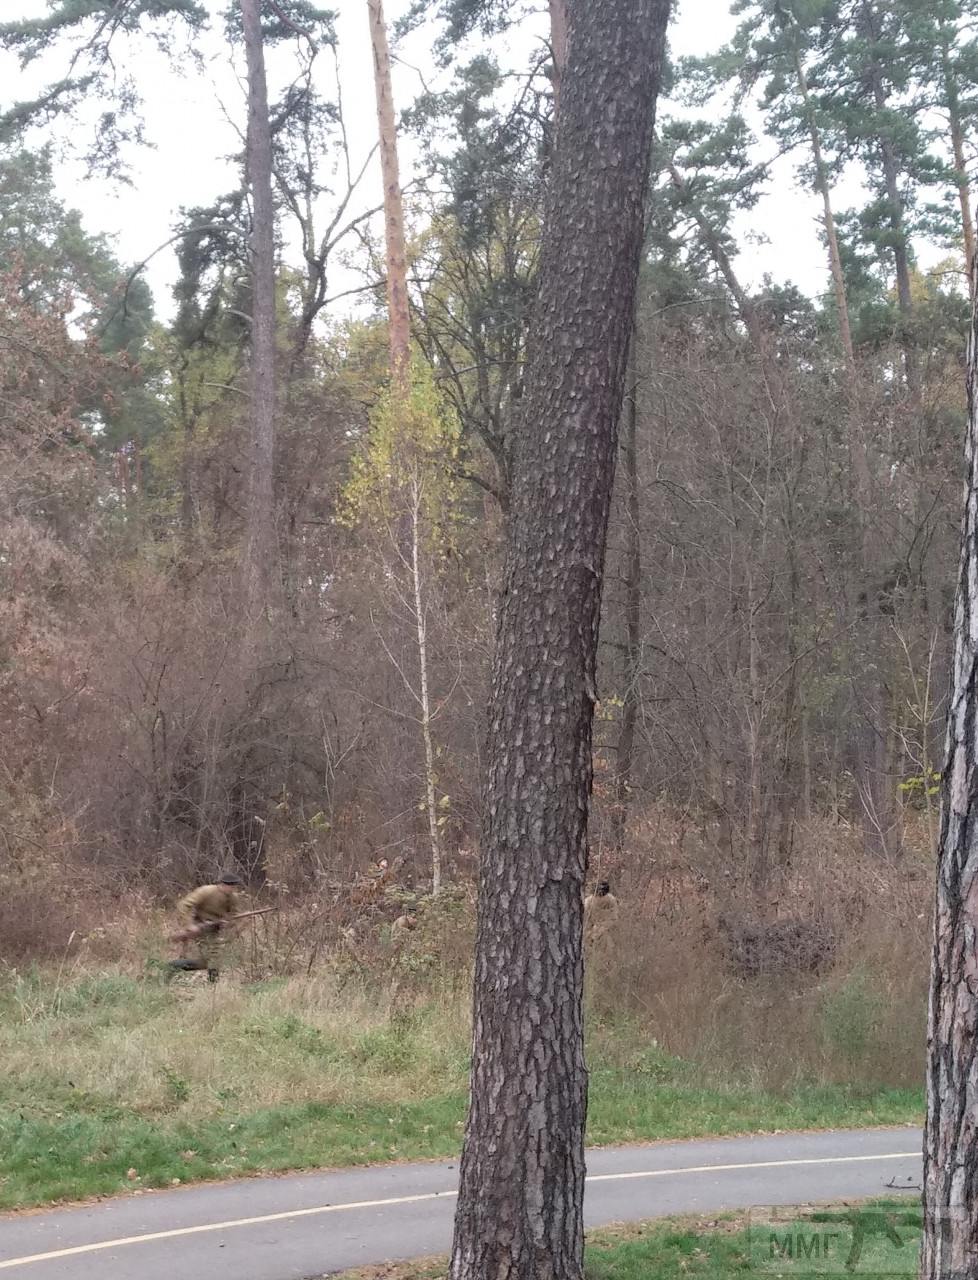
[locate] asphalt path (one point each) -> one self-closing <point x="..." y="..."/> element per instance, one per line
<point x="302" y="1225"/>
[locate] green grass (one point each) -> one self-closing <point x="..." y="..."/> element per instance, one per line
<point x="624" y="1110"/>
<point x="90" y="1149"/>
<point x="789" y="1243"/>
<point x="879" y="1239"/>
<point x="655" y="1252"/>
<point x="89" y="1145"/>
<point x="112" y="1083"/>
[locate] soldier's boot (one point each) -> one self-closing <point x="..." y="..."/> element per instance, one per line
<point x="185" y="965"/>
<point x="212" y="975"/>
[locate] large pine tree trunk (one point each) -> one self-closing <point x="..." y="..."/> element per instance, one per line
<point x="950" y="1249"/>
<point x="259" y="562"/>
<point x="519" y="1213"/>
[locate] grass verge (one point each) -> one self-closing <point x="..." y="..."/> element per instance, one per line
<point x="874" y="1239"/>
<point x="112" y="1083"/>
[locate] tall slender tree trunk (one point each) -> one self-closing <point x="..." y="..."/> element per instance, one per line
<point x="520" y="1207"/>
<point x="880" y="793"/>
<point x="125" y="481"/>
<point x="558" y="44"/>
<point x="952" y="100"/>
<point x="950" y="1246"/>
<point x="399" y="331"/>
<point x="755" y="741"/>
<point x="876" y="783"/>
<point x="789" y="780"/>
<point x="187" y="509"/>
<point x="876" y="786"/>
<point x="964" y="197"/>
<point x="399" y="319"/>
<point x="421" y="622"/>
<point x="824" y="189"/>
<point x="901" y="253"/>
<point x="260" y="551"/>
<point x="806" y="762"/>
<point x="870" y="31"/>
<point x="625" y="755"/>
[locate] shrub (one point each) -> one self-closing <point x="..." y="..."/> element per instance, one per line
<point x="851" y="1016"/>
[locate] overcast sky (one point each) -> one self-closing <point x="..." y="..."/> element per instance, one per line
<point x="192" y="122"/>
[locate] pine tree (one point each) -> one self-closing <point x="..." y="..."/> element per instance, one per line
<point x="867" y="91"/>
<point x="944" y="31"/>
<point x="771" y="55"/>
<point x="950" y="1244"/>
<point x="520" y="1206"/>
<point x="86" y="34"/>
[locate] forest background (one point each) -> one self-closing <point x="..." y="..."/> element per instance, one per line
<point x="776" y="617"/>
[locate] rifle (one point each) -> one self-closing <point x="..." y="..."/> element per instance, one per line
<point x="215" y="926"/>
<point x="246" y="915"/>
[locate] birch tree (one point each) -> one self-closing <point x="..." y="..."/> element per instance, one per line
<point x="403" y="488"/>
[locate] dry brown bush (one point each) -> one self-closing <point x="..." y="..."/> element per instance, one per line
<point x="843" y="995"/>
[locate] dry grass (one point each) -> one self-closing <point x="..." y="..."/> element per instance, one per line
<point x="858" y="1017"/>
<point x="327" y="1039"/>
<point x="332" y="1018"/>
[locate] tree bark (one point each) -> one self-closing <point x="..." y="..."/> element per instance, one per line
<point x="950" y="1246"/>
<point x="519" y="1214"/>
<point x="260" y="549"/>
<point x="399" y="320"/>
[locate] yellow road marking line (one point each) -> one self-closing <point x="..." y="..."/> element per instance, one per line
<point x="431" y="1195"/>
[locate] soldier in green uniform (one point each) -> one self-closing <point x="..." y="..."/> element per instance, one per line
<point x="204" y="913"/>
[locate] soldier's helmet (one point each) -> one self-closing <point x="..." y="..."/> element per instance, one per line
<point x="230" y="879"/>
